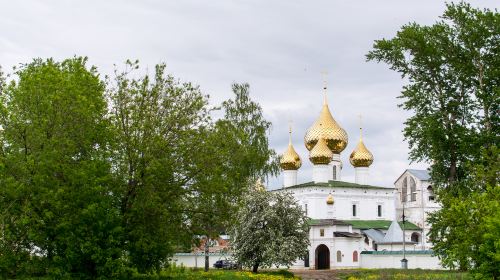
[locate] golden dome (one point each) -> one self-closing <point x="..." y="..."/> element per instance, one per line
<point x="361" y="157"/>
<point x="329" y="199"/>
<point x="320" y="154"/>
<point x="290" y="160"/>
<point x="326" y="127"/>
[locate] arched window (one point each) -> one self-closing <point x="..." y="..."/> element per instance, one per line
<point x="367" y="241"/>
<point x="339" y="256"/>
<point x="334" y="172"/>
<point x="413" y="190"/>
<point x="355" y="256"/>
<point x="404" y="190"/>
<point x="415" y="237"/>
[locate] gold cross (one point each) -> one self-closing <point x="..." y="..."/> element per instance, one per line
<point x="360" y="126"/>
<point x="324" y="73"/>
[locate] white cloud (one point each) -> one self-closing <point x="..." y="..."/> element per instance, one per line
<point x="279" y="47"/>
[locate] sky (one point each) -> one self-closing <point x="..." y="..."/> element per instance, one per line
<point x="279" y="47"/>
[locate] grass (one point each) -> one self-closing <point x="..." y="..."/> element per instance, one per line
<point x="398" y="274"/>
<point x="182" y="273"/>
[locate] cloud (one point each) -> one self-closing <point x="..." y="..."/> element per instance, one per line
<point x="279" y="47"/>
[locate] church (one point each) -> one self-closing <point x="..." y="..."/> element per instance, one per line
<point x="352" y="224"/>
<point x="355" y="224"/>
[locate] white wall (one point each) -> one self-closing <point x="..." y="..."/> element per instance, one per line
<point x="424" y="261"/>
<point x="367" y="201"/>
<point x="197" y="260"/>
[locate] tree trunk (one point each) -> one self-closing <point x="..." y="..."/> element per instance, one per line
<point x="255" y="267"/>
<point x="206" y="254"/>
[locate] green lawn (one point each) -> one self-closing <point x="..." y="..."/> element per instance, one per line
<point x="396" y="274"/>
<point x="217" y="274"/>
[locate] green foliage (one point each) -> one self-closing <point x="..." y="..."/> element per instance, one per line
<point x="271" y="229"/>
<point x="157" y="123"/>
<point x="453" y="72"/>
<point x="102" y="179"/>
<point x="55" y="179"/>
<point x="235" y="151"/>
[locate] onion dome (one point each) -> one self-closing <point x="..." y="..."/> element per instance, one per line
<point x="326" y="127"/>
<point x="361" y="156"/>
<point x="329" y="199"/>
<point x="320" y="154"/>
<point x="290" y="160"/>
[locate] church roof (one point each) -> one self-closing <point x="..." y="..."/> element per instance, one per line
<point x="374" y="234"/>
<point x="347" y="234"/>
<point x="378" y="224"/>
<point x="337" y="184"/>
<point x="422" y="175"/>
<point x="394" y="235"/>
<point x="326" y="222"/>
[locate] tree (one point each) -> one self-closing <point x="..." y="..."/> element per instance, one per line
<point x="452" y="69"/>
<point x="271" y="229"/>
<point x="159" y="124"/>
<point x="58" y="209"/>
<point x="235" y="152"/>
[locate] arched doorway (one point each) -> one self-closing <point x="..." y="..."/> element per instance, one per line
<point x="322" y="257"/>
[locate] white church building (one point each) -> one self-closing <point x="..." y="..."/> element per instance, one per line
<point x="353" y="224"/>
<point x="357" y="224"/>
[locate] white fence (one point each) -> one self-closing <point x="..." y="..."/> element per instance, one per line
<point x="198" y="259"/>
<point x="392" y="259"/>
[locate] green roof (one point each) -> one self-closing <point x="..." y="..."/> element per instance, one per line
<point x="408" y="252"/>
<point x="378" y="224"/>
<point x="337" y="184"/>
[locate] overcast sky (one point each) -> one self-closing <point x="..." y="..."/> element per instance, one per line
<point x="278" y="47"/>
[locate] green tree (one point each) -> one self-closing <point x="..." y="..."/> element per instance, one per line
<point x="159" y="124"/>
<point x="452" y="69"/>
<point x="58" y="212"/>
<point x="271" y="229"/>
<point x="235" y="152"/>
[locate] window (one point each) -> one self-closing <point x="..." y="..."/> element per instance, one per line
<point x="367" y="241"/>
<point x="339" y="256"/>
<point x="305" y="208"/>
<point x="415" y="237"/>
<point x="413" y="190"/>
<point x="354" y="210"/>
<point x="322" y="232"/>
<point x="404" y="190"/>
<point x="379" y="210"/>
<point x="355" y="256"/>
<point x="431" y="193"/>
<point x="334" y="172"/>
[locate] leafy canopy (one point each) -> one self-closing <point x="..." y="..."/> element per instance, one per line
<point x="452" y="70"/>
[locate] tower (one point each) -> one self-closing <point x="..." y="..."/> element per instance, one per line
<point x="320" y="155"/>
<point x="290" y="162"/>
<point x="335" y="137"/>
<point x="361" y="158"/>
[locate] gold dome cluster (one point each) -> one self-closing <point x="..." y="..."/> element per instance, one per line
<point x="320" y="153"/>
<point x="324" y="139"/>
<point x="290" y="160"/>
<point x="327" y="128"/>
<point x="361" y="156"/>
